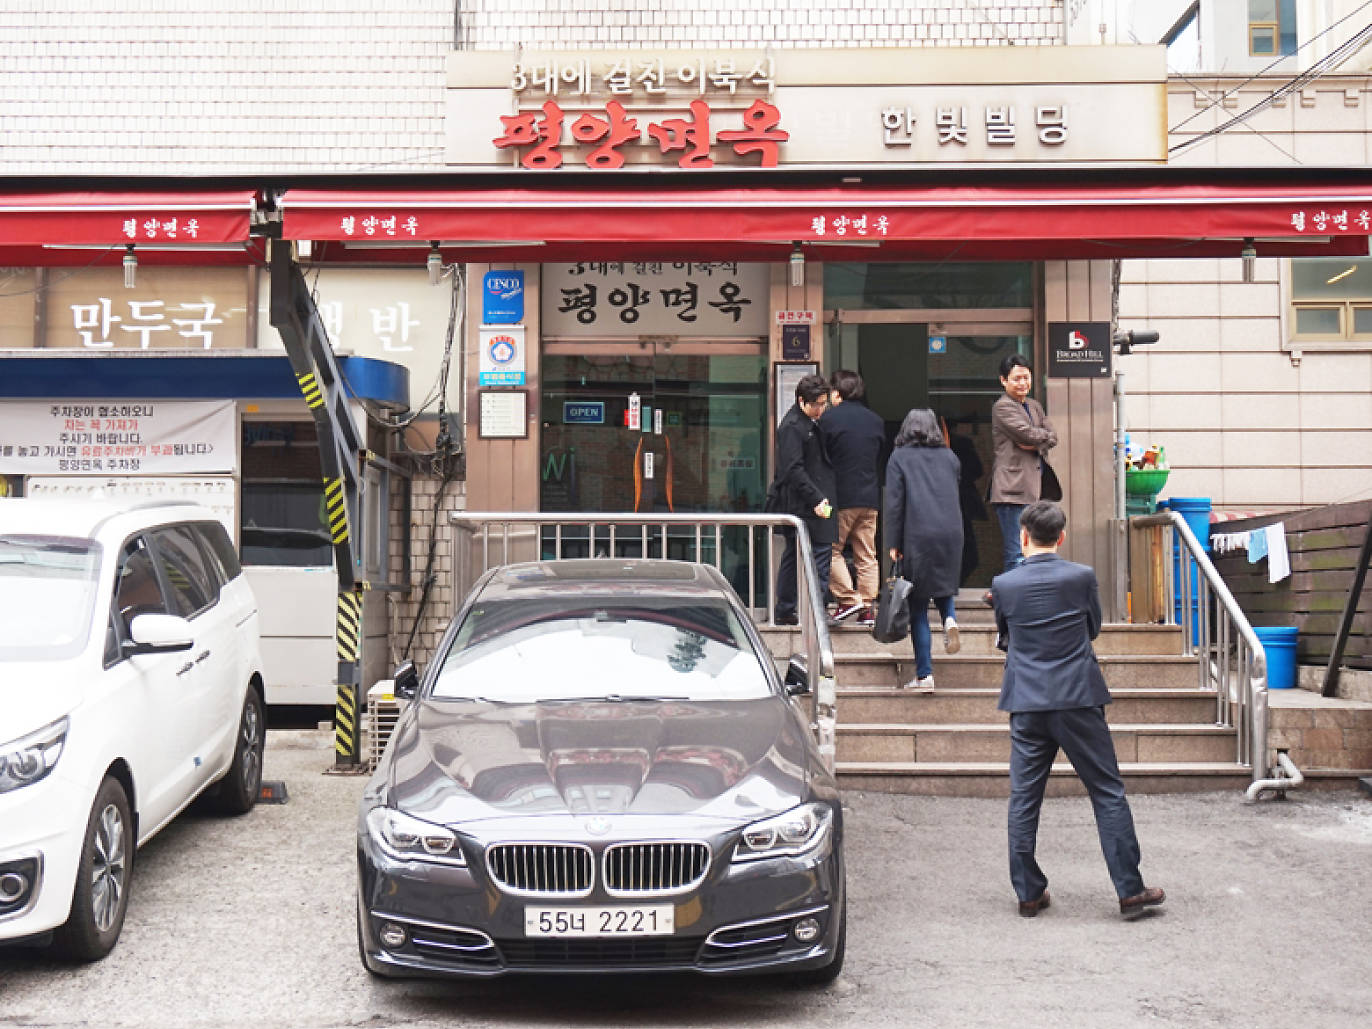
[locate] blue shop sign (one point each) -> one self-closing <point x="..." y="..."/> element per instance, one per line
<point x="502" y="298"/>
<point x="583" y="412"/>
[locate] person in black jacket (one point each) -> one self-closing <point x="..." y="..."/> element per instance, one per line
<point x="803" y="487"/>
<point x="855" y="436"/>
<point x="924" y="533"/>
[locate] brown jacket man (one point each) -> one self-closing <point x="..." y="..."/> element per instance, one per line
<point x="1016" y="472"/>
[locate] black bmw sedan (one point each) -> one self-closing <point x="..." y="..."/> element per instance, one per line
<point x="601" y="771"/>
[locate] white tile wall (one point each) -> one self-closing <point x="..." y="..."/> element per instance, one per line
<point x="356" y="85"/>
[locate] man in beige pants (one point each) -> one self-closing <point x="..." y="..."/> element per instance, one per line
<point x="855" y="437"/>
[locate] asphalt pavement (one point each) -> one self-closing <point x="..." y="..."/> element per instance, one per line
<point x="238" y="922"/>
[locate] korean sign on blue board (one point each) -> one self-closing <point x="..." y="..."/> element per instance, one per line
<point x="502" y="297"/>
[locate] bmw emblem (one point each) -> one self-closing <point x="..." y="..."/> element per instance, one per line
<point x="597" y="826"/>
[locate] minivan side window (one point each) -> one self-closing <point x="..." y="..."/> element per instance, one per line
<point x="136" y="591"/>
<point x="221" y="547"/>
<point x="193" y="587"/>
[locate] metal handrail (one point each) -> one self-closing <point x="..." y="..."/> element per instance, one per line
<point x="1231" y="659"/>
<point x="525" y="543"/>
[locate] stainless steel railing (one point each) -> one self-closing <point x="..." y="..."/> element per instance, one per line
<point x="1231" y="660"/>
<point x="741" y="546"/>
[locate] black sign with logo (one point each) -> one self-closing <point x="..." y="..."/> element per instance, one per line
<point x="1078" y="350"/>
<point x="795" y="342"/>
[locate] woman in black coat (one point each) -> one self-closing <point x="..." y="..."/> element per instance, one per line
<point x="924" y="531"/>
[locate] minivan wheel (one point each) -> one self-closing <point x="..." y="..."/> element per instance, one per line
<point x="239" y="789"/>
<point x="101" y="895"/>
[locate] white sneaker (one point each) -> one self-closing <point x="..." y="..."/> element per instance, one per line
<point x="925" y="685"/>
<point x="952" y="641"/>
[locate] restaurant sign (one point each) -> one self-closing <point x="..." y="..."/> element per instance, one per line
<point x="666" y="298"/>
<point x="608" y="110"/>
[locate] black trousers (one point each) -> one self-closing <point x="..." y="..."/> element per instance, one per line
<point x="1084" y="737"/>
<point x="786" y="573"/>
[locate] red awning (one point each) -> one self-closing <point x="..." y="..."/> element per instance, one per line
<point x="1043" y="221"/>
<point x="40" y="226"/>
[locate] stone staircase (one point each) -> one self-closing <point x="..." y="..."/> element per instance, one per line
<point x="954" y="742"/>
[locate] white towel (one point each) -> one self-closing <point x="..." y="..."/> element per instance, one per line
<point x="1228" y="542"/>
<point x="1278" y="561"/>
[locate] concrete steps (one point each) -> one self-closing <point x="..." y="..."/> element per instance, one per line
<point x="992" y="779"/>
<point x="953" y="742"/>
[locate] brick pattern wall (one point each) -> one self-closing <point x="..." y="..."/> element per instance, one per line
<point x="1320" y="737"/>
<point x="442" y="597"/>
<point x="233" y="86"/>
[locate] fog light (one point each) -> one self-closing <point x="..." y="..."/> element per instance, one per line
<point x="392" y="936"/>
<point x="12" y="887"/>
<point x="806" y="930"/>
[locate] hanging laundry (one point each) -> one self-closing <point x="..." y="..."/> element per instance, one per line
<point x="1228" y="542"/>
<point x="1257" y="545"/>
<point x="1278" y="560"/>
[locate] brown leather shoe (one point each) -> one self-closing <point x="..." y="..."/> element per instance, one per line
<point x="1132" y="907"/>
<point x="1030" y="908"/>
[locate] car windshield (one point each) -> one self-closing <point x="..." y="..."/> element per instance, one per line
<point x="47" y="591"/>
<point x="620" y="648"/>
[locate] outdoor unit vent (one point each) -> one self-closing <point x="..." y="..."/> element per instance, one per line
<point x="382" y="711"/>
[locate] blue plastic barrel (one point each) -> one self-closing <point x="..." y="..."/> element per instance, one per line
<point x="1196" y="511"/>
<point x="1280" y="644"/>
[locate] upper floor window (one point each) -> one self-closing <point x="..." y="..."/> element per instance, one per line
<point x="1331" y="298"/>
<point x="1271" y="27"/>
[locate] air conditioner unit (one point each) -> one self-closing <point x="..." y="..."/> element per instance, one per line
<point x="382" y="712"/>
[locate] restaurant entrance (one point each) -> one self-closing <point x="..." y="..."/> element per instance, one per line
<point x="934" y="336"/>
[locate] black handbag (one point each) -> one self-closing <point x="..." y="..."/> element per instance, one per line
<point x="1049" y="486"/>
<point x="892" y="623"/>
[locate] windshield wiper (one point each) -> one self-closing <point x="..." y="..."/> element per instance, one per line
<point x="613" y="698"/>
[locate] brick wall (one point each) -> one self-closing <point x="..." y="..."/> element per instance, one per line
<point x="1323" y="737"/>
<point x="442" y="598"/>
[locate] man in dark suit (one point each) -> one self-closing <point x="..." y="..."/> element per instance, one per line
<point x="803" y="486"/>
<point x="1048" y="612"/>
<point x="855" y="437"/>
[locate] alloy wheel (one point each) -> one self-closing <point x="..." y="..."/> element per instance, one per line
<point x="108" y="869"/>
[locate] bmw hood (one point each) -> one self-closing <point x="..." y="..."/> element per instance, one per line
<point x="454" y="762"/>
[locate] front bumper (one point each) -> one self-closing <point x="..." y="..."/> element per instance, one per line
<point x="45" y="826"/>
<point x="741" y="920"/>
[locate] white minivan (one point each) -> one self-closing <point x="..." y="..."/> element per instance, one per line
<point x="130" y="683"/>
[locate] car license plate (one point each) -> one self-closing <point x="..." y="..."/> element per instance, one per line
<point x="643" y="920"/>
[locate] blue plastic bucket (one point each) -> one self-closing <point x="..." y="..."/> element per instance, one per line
<point x="1196" y="511"/>
<point x="1280" y="644"/>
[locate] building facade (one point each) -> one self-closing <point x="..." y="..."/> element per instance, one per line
<point x="647" y="219"/>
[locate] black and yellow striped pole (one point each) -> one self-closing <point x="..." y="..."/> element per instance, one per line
<point x="295" y="316"/>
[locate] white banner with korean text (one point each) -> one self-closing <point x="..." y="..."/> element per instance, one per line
<point x="656" y="298"/>
<point x="118" y="437"/>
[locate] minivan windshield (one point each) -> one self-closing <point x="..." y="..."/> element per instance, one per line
<point x="586" y="647"/>
<point x="47" y="594"/>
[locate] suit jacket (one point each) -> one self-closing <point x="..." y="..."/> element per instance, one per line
<point x="804" y="475"/>
<point x="1015" y="475"/>
<point x="854" y="436"/>
<point x="1048" y="612"/>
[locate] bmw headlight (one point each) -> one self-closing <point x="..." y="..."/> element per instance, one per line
<point x="413" y="839"/>
<point x="31" y="757"/>
<point x="795" y="832"/>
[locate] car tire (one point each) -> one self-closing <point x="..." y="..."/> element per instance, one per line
<point x="826" y="974"/>
<point x="240" y="787"/>
<point x="101" y="895"/>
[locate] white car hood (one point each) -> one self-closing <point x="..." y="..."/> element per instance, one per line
<point x="34" y="694"/>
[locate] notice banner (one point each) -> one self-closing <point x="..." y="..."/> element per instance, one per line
<point x="93" y="437"/>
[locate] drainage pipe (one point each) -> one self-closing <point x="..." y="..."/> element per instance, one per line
<point x="1280" y="783"/>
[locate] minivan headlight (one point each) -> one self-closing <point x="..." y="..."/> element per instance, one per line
<point x="794" y="832"/>
<point x="413" y="839"/>
<point x="30" y="758"/>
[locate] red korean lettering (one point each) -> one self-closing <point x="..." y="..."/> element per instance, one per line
<point x="542" y="137"/>
<point x="761" y="135"/>
<point x="615" y="130"/>
<point x="691" y="136"/>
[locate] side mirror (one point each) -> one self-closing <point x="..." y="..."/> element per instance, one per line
<point x="406" y="681"/>
<point x="797" y="681"/>
<point x="158" y="634"/>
